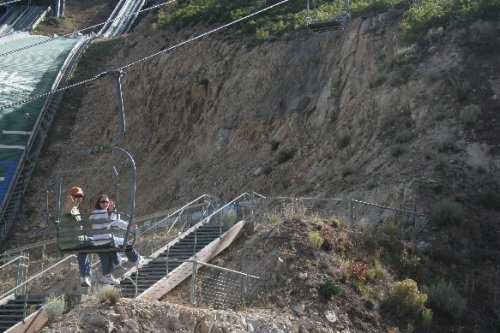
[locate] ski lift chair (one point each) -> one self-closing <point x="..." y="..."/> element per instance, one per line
<point x="78" y="233"/>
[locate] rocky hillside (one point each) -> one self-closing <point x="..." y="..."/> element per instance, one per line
<point x="357" y="113"/>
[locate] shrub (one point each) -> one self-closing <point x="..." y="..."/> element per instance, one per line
<point x="482" y="35"/>
<point x="406" y="56"/>
<point x="409" y="261"/>
<point x="447" y="212"/>
<point x="363" y="7"/>
<point x="359" y="270"/>
<point x="262" y="34"/>
<point x="490" y="199"/>
<point x="376" y="272"/>
<point x="295" y="210"/>
<point x="228" y="218"/>
<point x="470" y="114"/>
<point x="315" y="239"/>
<point x="398" y="149"/>
<point x="108" y="294"/>
<point x="54" y="307"/>
<point x="330" y="287"/>
<point x="403" y="136"/>
<point x="285" y="155"/>
<point x="448" y="145"/>
<point x="344" y="141"/>
<point x="406" y="299"/>
<point x="427" y="316"/>
<point x="444" y="296"/>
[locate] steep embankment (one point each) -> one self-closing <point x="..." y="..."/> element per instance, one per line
<point x="350" y="113"/>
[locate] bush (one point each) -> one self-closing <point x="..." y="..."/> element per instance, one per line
<point x="228" y="218"/>
<point x="490" y="199"/>
<point x="470" y="114"/>
<point x="363" y="7"/>
<point x="403" y="136"/>
<point x="426" y="14"/>
<point x="447" y="212"/>
<point x="444" y="296"/>
<point x="262" y="34"/>
<point x="409" y="261"/>
<point x="108" y="294"/>
<point x="405" y="299"/>
<point x="330" y="288"/>
<point x="315" y="239"/>
<point x="398" y="149"/>
<point x="285" y="155"/>
<point x="54" y="307"/>
<point x="448" y="145"/>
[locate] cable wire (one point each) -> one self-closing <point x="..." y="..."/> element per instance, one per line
<point x="98" y="76"/>
<point x="9" y="2"/>
<point x="76" y="32"/>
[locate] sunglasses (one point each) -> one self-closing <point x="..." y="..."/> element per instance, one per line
<point x="104" y="201"/>
<point x="77" y="196"/>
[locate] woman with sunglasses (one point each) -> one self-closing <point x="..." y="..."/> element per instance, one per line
<point x="105" y="218"/>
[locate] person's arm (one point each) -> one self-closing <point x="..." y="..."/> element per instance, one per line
<point x="70" y="204"/>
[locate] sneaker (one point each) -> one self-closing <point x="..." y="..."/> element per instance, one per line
<point x="109" y="279"/>
<point x="85" y="281"/>
<point x="138" y="261"/>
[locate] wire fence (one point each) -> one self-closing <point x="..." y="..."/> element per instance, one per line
<point x="219" y="287"/>
<point x="353" y="213"/>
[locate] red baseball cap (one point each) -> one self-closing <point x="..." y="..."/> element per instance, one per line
<point x="75" y="191"/>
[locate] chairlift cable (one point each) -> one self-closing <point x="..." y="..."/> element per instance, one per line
<point x="9" y="2"/>
<point x="87" y="28"/>
<point x="100" y="75"/>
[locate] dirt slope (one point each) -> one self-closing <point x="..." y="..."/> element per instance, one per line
<point x="353" y="113"/>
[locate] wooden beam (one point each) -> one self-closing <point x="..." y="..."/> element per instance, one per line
<point x="32" y="324"/>
<point x="164" y="285"/>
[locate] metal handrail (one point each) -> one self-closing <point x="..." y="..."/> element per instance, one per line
<point x="37" y="275"/>
<point x="15" y="259"/>
<point x="179" y="210"/>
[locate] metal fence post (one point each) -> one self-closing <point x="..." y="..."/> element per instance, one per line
<point x="351" y="213"/>
<point x="193" y="284"/>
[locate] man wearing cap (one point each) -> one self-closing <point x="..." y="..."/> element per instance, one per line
<point x="72" y="214"/>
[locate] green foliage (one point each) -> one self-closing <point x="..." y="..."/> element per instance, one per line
<point x="376" y="272"/>
<point x="315" y="239"/>
<point x="448" y="145"/>
<point x="426" y="14"/>
<point x="470" y="114"/>
<point x="427" y="316"/>
<point x="447" y="212"/>
<point x="362" y="7"/>
<point x="408" y="260"/>
<point x="228" y="218"/>
<point x="330" y="287"/>
<point x="54" y="307"/>
<point x="287" y="17"/>
<point x="443" y="296"/>
<point x="108" y="294"/>
<point x="262" y="34"/>
<point x="405" y="299"/>
<point x="390" y="229"/>
<point x="490" y="199"/>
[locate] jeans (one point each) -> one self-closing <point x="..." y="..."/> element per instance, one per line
<point x="83" y="264"/>
<point x="110" y="259"/>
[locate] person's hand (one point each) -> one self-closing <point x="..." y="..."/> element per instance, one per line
<point x="111" y="206"/>
<point x="133" y="227"/>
